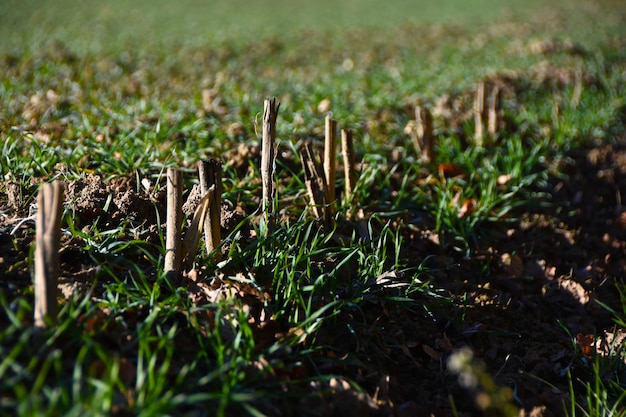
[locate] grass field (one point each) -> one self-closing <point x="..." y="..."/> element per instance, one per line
<point x="97" y="25"/>
<point x="488" y="281"/>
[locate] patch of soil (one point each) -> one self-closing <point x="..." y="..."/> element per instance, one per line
<point x="525" y="299"/>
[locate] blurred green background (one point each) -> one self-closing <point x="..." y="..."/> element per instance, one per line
<point x="106" y="25"/>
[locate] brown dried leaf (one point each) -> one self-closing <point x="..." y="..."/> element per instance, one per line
<point x="467" y="208"/>
<point x="586" y="344"/>
<point x="575" y="289"/>
<point x="449" y="170"/>
<point x="610" y="343"/>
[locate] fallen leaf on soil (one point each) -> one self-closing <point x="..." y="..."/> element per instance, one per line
<point x="586" y="344"/>
<point x="541" y="411"/>
<point x="575" y="289"/>
<point x="611" y="343"/>
<point x="389" y="279"/>
<point x="449" y="170"/>
<point x="467" y="209"/>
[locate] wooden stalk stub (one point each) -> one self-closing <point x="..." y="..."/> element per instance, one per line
<point x="493" y="113"/>
<point x="210" y="173"/>
<point x="316" y="184"/>
<point x="48" y="240"/>
<point x="173" y="223"/>
<point x="425" y="136"/>
<point x="270" y="113"/>
<point x="330" y="160"/>
<point x="347" y="150"/>
<point x="479" y="109"/>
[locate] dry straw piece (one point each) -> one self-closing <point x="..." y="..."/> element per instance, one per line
<point x="425" y="139"/>
<point x="347" y="150"/>
<point x="330" y="160"/>
<point x="315" y="183"/>
<point x="173" y="223"/>
<point x="210" y="173"/>
<point x="194" y="232"/>
<point x="270" y="113"/>
<point x="48" y="240"/>
<point x="479" y="109"/>
<point x="493" y="112"/>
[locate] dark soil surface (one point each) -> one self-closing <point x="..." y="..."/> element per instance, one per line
<point x="526" y="298"/>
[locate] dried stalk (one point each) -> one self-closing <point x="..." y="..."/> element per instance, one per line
<point x="210" y="173"/>
<point x="194" y="232"/>
<point x="493" y="112"/>
<point x="479" y="108"/>
<point x="174" y="221"/>
<point x="425" y="136"/>
<point x="347" y="149"/>
<point x="330" y="162"/>
<point x="270" y="113"/>
<point x="315" y="184"/>
<point x="48" y="240"/>
<point x="349" y="166"/>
